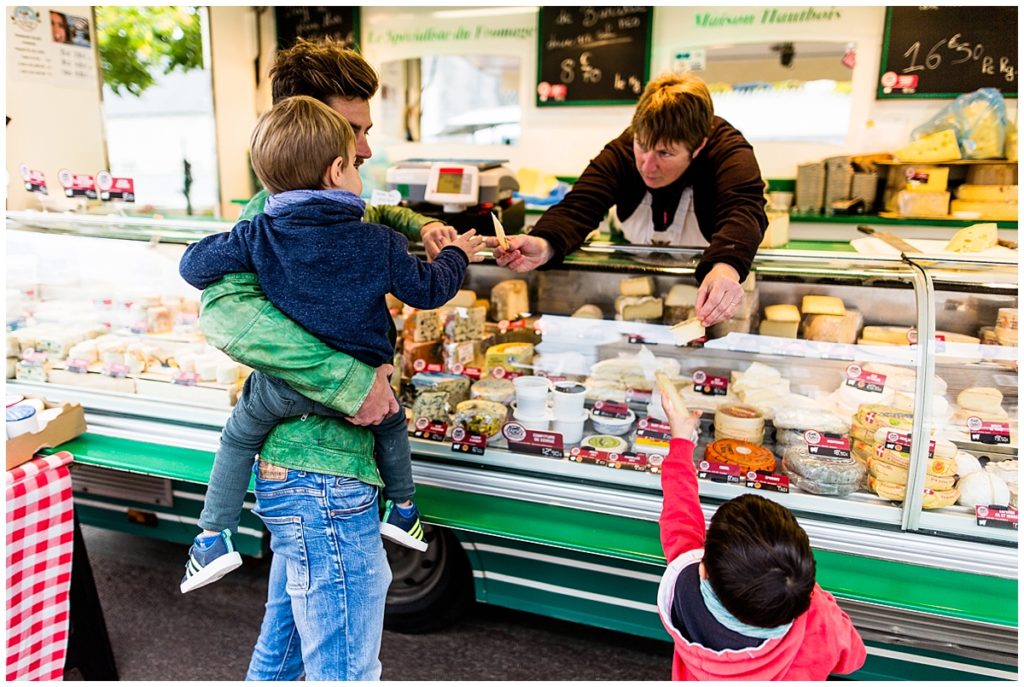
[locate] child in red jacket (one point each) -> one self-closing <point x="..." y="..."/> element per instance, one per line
<point x="740" y="600"/>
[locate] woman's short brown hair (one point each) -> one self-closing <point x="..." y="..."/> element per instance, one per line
<point x="674" y="108"/>
<point x="296" y="141"/>
<point x="322" y="69"/>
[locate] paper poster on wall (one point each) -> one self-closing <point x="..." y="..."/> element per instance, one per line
<point x="51" y="46"/>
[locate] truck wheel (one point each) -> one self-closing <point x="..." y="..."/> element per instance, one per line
<point x="430" y="590"/>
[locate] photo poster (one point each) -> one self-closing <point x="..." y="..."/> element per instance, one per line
<point x="52" y="45"/>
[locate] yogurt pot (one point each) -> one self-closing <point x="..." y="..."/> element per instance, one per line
<point x="611" y="425"/>
<point x="531" y="394"/>
<point x="571" y="429"/>
<point x="568" y="399"/>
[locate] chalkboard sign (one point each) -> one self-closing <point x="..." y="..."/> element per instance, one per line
<point x="311" y="23"/>
<point x="941" y="52"/>
<point x="592" y="55"/>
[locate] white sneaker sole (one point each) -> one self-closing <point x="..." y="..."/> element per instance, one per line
<point x="400" y="536"/>
<point x="212" y="572"/>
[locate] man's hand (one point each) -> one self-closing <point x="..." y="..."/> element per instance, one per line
<point x="719" y="296"/>
<point x="435" y="236"/>
<point x="524" y="252"/>
<point x="380" y="402"/>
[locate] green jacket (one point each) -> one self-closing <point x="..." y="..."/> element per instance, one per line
<point x="238" y="319"/>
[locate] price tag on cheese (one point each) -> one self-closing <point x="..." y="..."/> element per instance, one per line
<point x="858" y="378"/>
<point x="522" y="440"/>
<point x="988" y="432"/>
<point x="996" y="516"/>
<point x="467" y="442"/>
<point x="612" y="409"/>
<point x="631" y="461"/>
<point x="827" y="446"/>
<point x="590" y="455"/>
<point x="710" y="385"/>
<point x="425" y="428"/>
<point x="77" y="365"/>
<point x="653" y="430"/>
<point x="185" y="378"/>
<point x="718" y="472"/>
<point x="116" y="370"/>
<point x="760" y="480"/>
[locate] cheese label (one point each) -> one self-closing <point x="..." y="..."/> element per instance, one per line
<point x="718" y="472"/>
<point x="857" y="378"/>
<point x="77" y="365"/>
<point x="988" y="432"/>
<point x="77" y="184"/>
<point x="760" y="480"/>
<point x="827" y="446"/>
<point x="522" y="440"/>
<point x="612" y="409"/>
<point x="35" y="181"/>
<point x="500" y="372"/>
<point x="467" y="371"/>
<point x="901" y="442"/>
<point x="185" y="378"/>
<point x="115" y="188"/>
<point x="638" y="396"/>
<point x="996" y="516"/>
<point x="425" y="428"/>
<point x="421" y="365"/>
<point x="710" y="385"/>
<point x="654" y="431"/>
<point x="116" y="370"/>
<point x="590" y="455"/>
<point x="468" y="442"/>
<point x="629" y="460"/>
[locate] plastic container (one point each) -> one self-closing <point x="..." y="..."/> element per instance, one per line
<point x="481" y="417"/>
<point x="611" y="425"/>
<point x="571" y="429"/>
<point x="540" y="422"/>
<point x="569" y="397"/>
<point x="531" y="394"/>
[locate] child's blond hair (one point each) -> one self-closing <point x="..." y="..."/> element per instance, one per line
<point x="296" y="142"/>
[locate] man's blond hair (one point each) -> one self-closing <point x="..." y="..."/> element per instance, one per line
<point x="674" y="108"/>
<point x="296" y="141"/>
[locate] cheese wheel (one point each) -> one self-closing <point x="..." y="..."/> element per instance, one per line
<point x="799" y="460"/>
<point x="883" y="468"/>
<point x="983" y="398"/>
<point x="832" y="328"/>
<point x="735" y="452"/>
<point x="589" y="311"/>
<point x="875" y="416"/>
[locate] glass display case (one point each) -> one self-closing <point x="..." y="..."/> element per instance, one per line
<point x="874" y="397"/>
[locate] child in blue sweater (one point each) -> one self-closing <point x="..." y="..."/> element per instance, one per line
<point x="322" y="266"/>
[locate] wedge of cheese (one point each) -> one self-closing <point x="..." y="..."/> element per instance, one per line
<point x="687" y="331"/>
<point x="972" y="239"/>
<point x="642" y="308"/>
<point x="938" y="147"/>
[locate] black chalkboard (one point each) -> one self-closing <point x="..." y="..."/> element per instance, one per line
<point x="941" y="52"/>
<point x="341" y="23"/>
<point x="592" y="55"/>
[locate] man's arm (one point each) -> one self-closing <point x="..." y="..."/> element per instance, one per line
<point x="682" y="520"/>
<point x="403" y="220"/>
<point x="238" y="319"/>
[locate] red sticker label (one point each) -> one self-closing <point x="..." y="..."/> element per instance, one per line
<point x="522" y="440"/>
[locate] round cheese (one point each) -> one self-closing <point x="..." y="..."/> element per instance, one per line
<point x="745" y="454"/>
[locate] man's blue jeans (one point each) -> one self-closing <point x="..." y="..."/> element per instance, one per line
<point x="328" y="578"/>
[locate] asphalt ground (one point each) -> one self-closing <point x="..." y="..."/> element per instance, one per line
<point x="157" y="633"/>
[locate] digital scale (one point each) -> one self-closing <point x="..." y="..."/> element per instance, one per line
<point x="463" y="193"/>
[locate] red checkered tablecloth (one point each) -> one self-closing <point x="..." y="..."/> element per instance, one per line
<point x="40" y="537"/>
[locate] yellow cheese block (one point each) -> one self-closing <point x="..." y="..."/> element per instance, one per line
<point x="977" y="237"/>
<point x="938" y="147"/>
<point x="783" y="313"/>
<point x="922" y="203"/>
<point x="822" y="305"/>
<point x="637" y="286"/>
<point x="979" y="210"/>
<point x="786" y="330"/>
<point x="890" y="335"/>
<point x="987" y="193"/>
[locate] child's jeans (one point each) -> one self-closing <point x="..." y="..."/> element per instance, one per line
<point x="264" y="402"/>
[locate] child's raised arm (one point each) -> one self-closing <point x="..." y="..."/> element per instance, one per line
<point x="682" y="520"/>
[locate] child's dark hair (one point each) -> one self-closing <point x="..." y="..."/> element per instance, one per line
<point x="759" y="561"/>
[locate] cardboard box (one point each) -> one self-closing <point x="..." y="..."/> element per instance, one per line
<point x="63" y="428"/>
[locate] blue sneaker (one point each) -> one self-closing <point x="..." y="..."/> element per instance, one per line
<point x="401" y="525"/>
<point x="210" y="558"/>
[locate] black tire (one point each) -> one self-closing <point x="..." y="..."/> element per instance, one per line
<point x="430" y="590"/>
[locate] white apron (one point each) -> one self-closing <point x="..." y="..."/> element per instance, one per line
<point x="684" y="230"/>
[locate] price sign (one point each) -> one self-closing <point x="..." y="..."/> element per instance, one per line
<point x="996" y="516"/>
<point x="612" y="409"/>
<point x="638" y="395"/>
<point x="988" y="432"/>
<point x="464" y="441"/>
<point x="421" y="365"/>
<point x="77" y="365"/>
<point x="858" y="378"/>
<point x="590" y="455"/>
<point x="827" y="446"/>
<point x="522" y="440"/>
<point x="35" y="181"/>
<point x="185" y="378"/>
<point x="710" y="385"/>
<point x="655" y="430"/>
<point x="759" y="480"/>
<point x="719" y="472"/>
<point x="630" y="461"/>
<point x="115" y="188"/>
<point x="431" y="430"/>
<point x="76" y="184"/>
<point x="115" y="370"/>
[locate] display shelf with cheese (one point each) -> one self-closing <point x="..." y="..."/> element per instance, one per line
<point x="821" y="350"/>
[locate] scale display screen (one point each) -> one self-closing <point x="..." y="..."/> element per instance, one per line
<point x="449" y="180"/>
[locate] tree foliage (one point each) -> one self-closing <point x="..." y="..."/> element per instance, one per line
<point x="137" y="42"/>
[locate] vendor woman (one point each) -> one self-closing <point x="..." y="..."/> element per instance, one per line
<point x="678" y="176"/>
